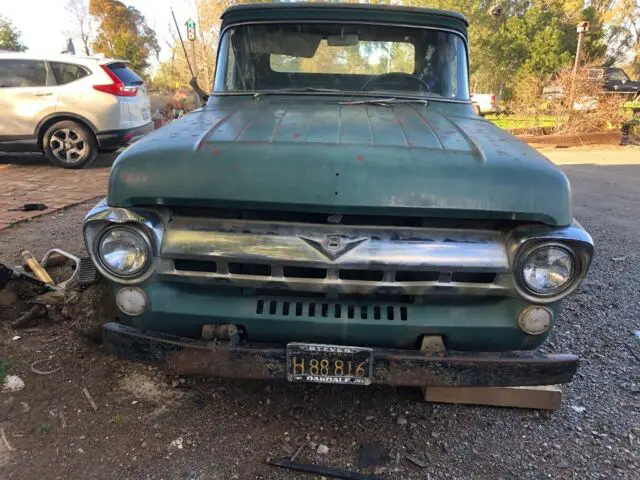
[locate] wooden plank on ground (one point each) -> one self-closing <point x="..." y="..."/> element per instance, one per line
<point x="542" y="397"/>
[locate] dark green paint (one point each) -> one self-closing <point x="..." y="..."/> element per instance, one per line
<point x="486" y="324"/>
<point x="274" y="12"/>
<point x="310" y="153"/>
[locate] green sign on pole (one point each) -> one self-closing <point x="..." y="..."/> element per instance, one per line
<point x="191" y="30"/>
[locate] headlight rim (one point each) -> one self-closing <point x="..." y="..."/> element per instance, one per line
<point x="135" y="277"/>
<point x="534" y="296"/>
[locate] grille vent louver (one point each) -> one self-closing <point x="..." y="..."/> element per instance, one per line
<point x="312" y="309"/>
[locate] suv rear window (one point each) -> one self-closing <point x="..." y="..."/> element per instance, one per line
<point x="125" y="74"/>
<point x="67" y="72"/>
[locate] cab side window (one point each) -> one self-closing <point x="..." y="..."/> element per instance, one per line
<point x="23" y="73"/>
<point x="67" y="72"/>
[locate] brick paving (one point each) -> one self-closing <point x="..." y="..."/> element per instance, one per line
<point x="30" y="178"/>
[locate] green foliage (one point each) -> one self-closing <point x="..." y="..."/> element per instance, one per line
<point x="123" y="33"/>
<point x="43" y="428"/>
<point x="530" y="36"/>
<point x="540" y="39"/>
<point x="10" y="36"/>
<point x="117" y="420"/>
<point x="4" y="369"/>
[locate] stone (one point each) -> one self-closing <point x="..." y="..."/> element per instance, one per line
<point x="322" y="449"/>
<point x="372" y="454"/>
<point x="401" y="420"/>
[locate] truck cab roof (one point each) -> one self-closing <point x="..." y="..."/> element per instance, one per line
<point x="327" y="12"/>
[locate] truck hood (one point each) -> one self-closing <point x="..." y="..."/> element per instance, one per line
<point x="311" y="153"/>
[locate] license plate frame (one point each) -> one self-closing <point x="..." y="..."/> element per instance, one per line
<point x="361" y="359"/>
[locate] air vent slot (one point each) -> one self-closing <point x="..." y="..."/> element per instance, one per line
<point x="195" y="266"/>
<point x="252" y="269"/>
<point x="312" y="309"/>
<point x="304" y="272"/>
<point x="361" y="275"/>
<point x="416" y="276"/>
<point x="473" y="277"/>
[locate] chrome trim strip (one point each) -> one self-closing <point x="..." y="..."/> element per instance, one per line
<point x="361" y="247"/>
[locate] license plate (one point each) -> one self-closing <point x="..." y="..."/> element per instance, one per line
<point x="308" y="362"/>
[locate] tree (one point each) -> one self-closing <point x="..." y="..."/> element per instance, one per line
<point x="123" y="33"/>
<point x="10" y="36"/>
<point x="623" y="24"/>
<point x="84" y="24"/>
<point x="204" y="48"/>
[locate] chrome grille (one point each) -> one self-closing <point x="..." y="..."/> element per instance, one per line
<point x="335" y="259"/>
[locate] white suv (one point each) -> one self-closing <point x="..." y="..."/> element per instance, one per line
<point x="70" y="107"/>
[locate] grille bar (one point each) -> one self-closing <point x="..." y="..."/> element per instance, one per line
<point x="346" y="247"/>
<point x="245" y="269"/>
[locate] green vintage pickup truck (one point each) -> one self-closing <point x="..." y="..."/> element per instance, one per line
<point x="337" y="213"/>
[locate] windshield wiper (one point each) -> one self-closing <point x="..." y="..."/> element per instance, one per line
<point x="296" y="90"/>
<point x="385" y="102"/>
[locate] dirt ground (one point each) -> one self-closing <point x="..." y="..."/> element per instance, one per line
<point x="150" y="426"/>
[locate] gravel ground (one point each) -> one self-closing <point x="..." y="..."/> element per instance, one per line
<point x="150" y="426"/>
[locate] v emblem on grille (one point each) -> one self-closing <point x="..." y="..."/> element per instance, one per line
<point x="334" y="246"/>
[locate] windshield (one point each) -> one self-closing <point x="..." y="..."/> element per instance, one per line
<point x="364" y="59"/>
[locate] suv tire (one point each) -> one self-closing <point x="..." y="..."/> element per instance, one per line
<point x="69" y="144"/>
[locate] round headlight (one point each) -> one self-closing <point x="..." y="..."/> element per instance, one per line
<point x="548" y="270"/>
<point x="123" y="251"/>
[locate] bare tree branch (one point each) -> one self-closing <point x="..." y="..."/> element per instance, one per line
<point x="84" y="23"/>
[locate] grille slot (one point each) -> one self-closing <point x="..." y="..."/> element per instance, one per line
<point x="304" y="272"/>
<point x="195" y="266"/>
<point x="361" y="275"/>
<point x="313" y="309"/>
<point x="473" y="277"/>
<point x="253" y="269"/>
<point x="416" y="276"/>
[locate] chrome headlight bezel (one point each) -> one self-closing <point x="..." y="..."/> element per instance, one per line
<point x="535" y="296"/>
<point x="136" y="276"/>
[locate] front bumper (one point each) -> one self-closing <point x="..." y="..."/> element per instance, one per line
<point x="115" y="139"/>
<point x="185" y="356"/>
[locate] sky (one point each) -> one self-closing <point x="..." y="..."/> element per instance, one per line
<point x="43" y="22"/>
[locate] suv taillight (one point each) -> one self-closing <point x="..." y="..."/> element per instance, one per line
<point x="117" y="87"/>
<point x="493" y="99"/>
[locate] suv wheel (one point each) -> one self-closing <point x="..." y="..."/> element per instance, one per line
<point x="69" y="145"/>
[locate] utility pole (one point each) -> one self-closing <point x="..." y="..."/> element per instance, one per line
<point x="583" y="27"/>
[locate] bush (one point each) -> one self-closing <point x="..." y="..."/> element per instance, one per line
<point x="582" y="106"/>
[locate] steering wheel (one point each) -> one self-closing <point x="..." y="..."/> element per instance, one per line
<point x="392" y="77"/>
